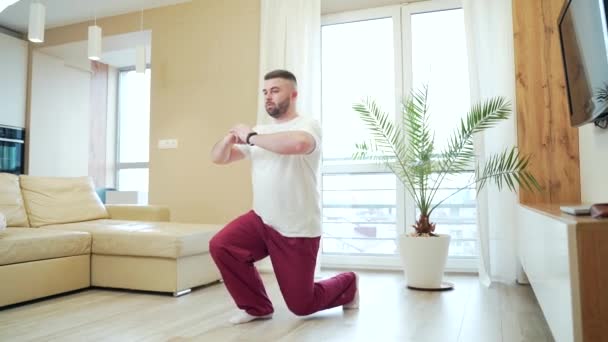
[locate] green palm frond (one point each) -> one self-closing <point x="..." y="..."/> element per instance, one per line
<point x="459" y="154"/>
<point x="383" y="131"/>
<point x="602" y="93"/>
<point x="387" y="145"/>
<point x="507" y="169"/>
<point x="421" y="144"/>
<point x="407" y="149"/>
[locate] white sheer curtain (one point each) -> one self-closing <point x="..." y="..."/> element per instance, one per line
<point x="491" y="63"/>
<point x="290" y="38"/>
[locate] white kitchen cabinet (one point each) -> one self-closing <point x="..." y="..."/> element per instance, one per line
<point x="13" y="80"/>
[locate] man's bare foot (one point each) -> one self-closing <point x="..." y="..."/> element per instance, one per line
<point x="354" y="304"/>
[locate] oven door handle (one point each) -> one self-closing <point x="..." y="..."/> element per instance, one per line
<point x="12" y="140"/>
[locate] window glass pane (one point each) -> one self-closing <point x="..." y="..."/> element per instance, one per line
<point x="367" y="246"/>
<point x="439" y="60"/>
<point x="359" y="210"/>
<point x="133" y="179"/>
<point x="134" y="116"/>
<point x="357" y="62"/>
<point x="457" y="216"/>
<point x="359" y="214"/>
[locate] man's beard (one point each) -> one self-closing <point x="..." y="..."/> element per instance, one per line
<point x="278" y="110"/>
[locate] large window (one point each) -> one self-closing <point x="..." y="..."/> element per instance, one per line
<point x="359" y="206"/>
<point x="133" y="131"/>
<point x="384" y="53"/>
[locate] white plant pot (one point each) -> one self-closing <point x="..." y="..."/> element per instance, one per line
<point x="423" y="260"/>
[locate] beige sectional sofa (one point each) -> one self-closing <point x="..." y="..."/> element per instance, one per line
<point x="60" y="237"/>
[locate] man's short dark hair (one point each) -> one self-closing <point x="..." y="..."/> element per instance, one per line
<point x="280" y="73"/>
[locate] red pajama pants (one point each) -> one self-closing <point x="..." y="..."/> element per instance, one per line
<point x="246" y="240"/>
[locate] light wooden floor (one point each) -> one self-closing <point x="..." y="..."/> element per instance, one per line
<point x="389" y="312"/>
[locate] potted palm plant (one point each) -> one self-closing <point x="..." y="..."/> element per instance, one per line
<point x="407" y="148"/>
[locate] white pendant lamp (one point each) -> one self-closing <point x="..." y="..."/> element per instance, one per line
<point x="140" y="49"/>
<point x="94" y="43"/>
<point x="35" y="32"/>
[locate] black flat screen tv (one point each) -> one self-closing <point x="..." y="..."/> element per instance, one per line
<point x="583" y="31"/>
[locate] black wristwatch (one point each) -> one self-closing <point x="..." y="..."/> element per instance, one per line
<point x="249" y="137"/>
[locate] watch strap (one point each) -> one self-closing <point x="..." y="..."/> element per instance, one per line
<point x="249" y="137"/>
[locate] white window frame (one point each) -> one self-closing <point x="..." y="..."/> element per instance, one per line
<point x="403" y="85"/>
<point x="366" y="261"/>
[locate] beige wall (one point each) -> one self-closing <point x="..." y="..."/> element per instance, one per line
<point x="205" y="57"/>
<point x="594" y="164"/>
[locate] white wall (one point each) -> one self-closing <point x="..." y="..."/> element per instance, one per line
<point x="111" y="127"/>
<point x="593" y="149"/>
<point x="13" y="80"/>
<point x="59" y="119"/>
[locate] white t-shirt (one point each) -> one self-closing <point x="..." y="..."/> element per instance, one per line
<point x="285" y="187"/>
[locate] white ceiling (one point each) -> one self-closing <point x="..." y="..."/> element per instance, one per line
<point x="66" y="12"/>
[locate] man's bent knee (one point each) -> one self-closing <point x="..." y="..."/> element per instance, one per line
<point x="300" y="309"/>
<point x="215" y="246"/>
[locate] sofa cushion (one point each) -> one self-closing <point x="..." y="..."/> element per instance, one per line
<point x="138" y="238"/>
<point x="11" y="202"/>
<point x="27" y="244"/>
<point x="56" y="200"/>
<point x="2" y="222"/>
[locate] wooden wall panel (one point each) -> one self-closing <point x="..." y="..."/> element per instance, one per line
<point x="543" y="117"/>
<point x="99" y="113"/>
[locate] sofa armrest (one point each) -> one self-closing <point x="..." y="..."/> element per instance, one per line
<point x="139" y="212"/>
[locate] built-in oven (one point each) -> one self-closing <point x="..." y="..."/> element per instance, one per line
<point x="12" y="149"/>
